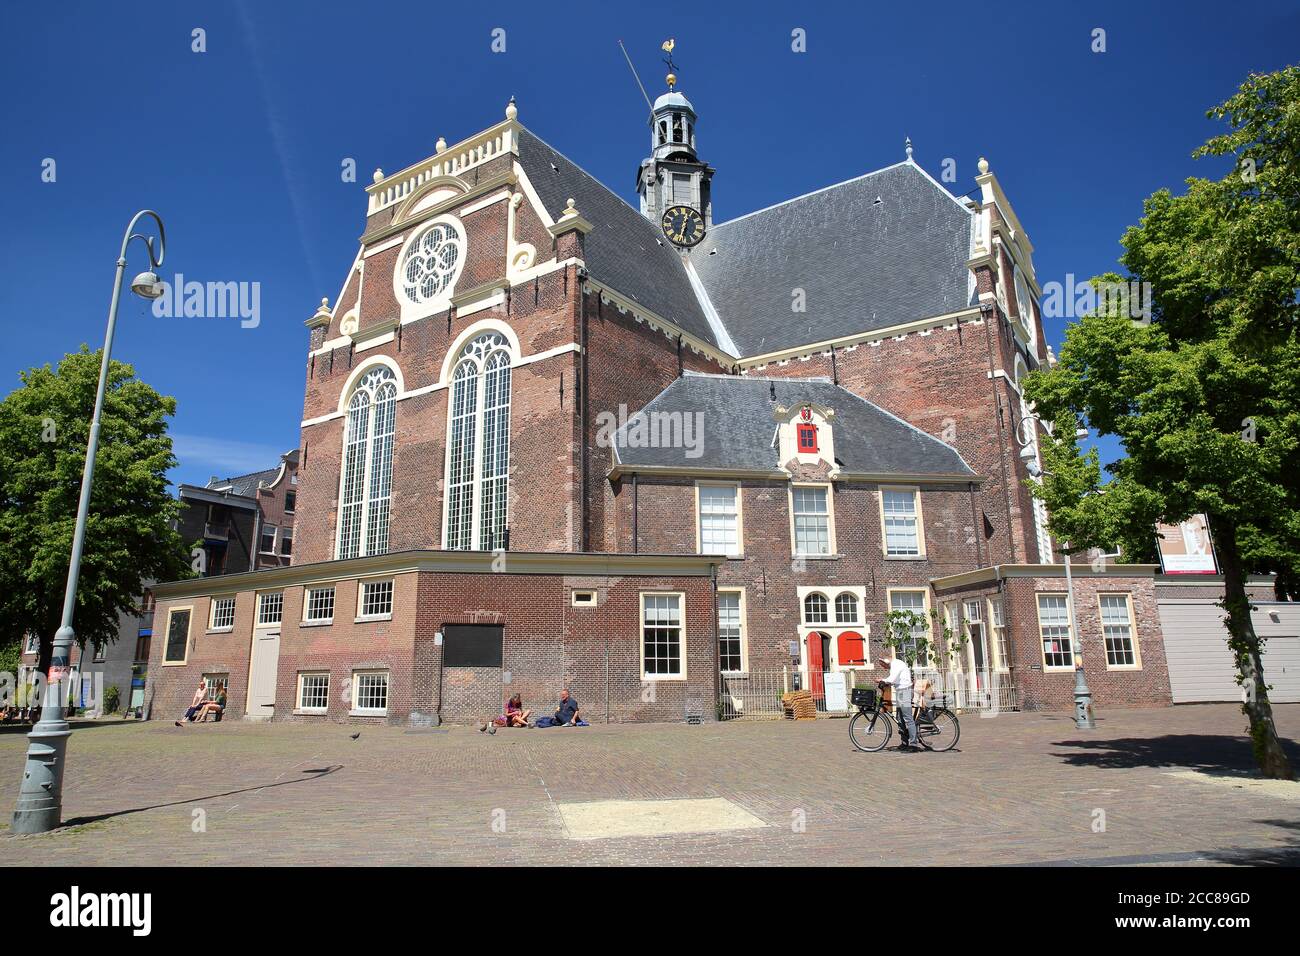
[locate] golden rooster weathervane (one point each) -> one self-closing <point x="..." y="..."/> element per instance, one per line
<point x="667" y="47"/>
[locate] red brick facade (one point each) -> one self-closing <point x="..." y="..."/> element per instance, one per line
<point x="580" y="350"/>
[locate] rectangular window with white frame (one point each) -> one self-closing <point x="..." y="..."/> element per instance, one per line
<point x="719" y="529"/>
<point x="375" y="600"/>
<point x="223" y="614"/>
<point x="370" y="693"/>
<point x="914" y="601"/>
<point x="663" y="637"/>
<point x="731" y="631"/>
<point x="1001" y="647"/>
<point x="319" y="606"/>
<point x="313" y="692"/>
<point x="1117" y="631"/>
<point x="270" y="608"/>
<point x="286" y="541"/>
<point x="268" y="539"/>
<point x="900" y="514"/>
<point x="1054" y="632"/>
<point x="813" y="520"/>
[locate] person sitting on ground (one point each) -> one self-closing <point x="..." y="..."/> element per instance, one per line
<point x="516" y="716"/>
<point x="214" y="708"/>
<point x="196" y="702"/>
<point x="567" y="715"/>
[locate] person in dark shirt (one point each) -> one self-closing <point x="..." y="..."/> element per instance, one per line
<point x="567" y="715"/>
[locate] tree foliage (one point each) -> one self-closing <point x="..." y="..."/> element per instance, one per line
<point x="44" y="426"/>
<point x="1206" y="397"/>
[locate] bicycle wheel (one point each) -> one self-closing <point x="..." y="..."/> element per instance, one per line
<point x="870" y="730"/>
<point x="940" y="734"/>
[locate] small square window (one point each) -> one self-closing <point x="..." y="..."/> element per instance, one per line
<point x="370" y="691"/>
<point x="320" y="605"/>
<point x="584" y="598"/>
<point x="376" y="599"/>
<point x="270" y="607"/>
<point x="314" y="692"/>
<point x="223" y="613"/>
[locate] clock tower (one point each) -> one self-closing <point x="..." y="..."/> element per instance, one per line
<point x="673" y="176"/>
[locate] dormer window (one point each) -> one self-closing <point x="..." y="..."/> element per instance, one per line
<point x="807" y="439"/>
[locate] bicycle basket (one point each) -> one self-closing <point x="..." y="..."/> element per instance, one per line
<point x="864" y="697"/>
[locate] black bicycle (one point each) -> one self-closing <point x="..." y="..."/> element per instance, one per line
<point x="871" y="727"/>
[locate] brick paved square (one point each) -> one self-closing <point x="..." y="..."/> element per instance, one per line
<point x="1172" y="785"/>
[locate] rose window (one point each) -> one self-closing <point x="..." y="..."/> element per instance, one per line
<point x="431" y="264"/>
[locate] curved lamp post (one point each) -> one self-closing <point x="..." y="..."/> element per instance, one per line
<point x="40" y="798"/>
<point x="1027" y="437"/>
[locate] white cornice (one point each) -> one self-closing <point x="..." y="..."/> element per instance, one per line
<point x="873" y="337"/>
<point x="999" y="572"/>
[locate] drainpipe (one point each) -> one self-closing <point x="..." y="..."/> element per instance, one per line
<point x="636" y="540"/>
<point x="584" y="532"/>
<point x="717" y="669"/>
<point x="987" y="311"/>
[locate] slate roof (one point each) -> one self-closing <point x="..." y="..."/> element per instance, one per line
<point x="247" y="485"/>
<point x="624" y="249"/>
<point x="862" y="265"/>
<point x="738" y="428"/>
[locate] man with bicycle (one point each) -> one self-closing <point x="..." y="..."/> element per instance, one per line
<point x="900" y="678"/>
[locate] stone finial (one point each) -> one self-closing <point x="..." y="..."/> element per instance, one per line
<point x="323" y="314"/>
<point x="569" y="210"/>
<point x="983" y="166"/>
<point x="907" y="145"/>
<point x="512" y="110"/>
<point x="378" y="176"/>
<point x="440" y="146"/>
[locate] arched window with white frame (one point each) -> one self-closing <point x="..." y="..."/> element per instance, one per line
<point x="365" y="498"/>
<point x="478" y="443"/>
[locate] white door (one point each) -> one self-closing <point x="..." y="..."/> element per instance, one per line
<point x="261" y="675"/>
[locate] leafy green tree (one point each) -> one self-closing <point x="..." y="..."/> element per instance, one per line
<point x="129" y="538"/>
<point x="1205" y="397"/>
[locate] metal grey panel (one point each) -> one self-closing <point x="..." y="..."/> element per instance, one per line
<point x="1201" y="667"/>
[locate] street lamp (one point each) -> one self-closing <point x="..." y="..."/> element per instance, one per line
<point x="1027" y="438"/>
<point x="40" y="797"/>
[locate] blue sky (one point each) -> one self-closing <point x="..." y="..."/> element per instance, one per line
<point x="240" y="148"/>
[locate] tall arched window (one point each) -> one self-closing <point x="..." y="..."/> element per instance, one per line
<point x="478" y="459"/>
<point x="365" y="498"/>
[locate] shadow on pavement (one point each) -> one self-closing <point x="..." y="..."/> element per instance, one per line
<point x="314" y="774"/>
<point x="1211" y="753"/>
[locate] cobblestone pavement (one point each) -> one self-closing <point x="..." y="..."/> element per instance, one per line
<point x="1174" y="786"/>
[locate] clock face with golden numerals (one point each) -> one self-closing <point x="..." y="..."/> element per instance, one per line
<point x="683" y="225"/>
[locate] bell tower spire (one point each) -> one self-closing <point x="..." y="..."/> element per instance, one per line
<point x="673" y="174"/>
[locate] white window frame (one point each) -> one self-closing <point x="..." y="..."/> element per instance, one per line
<point x="737" y="514"/>
<point x="917" y="517"/>
<point x="1132" y="631"/>
<point x="744" y="632"/>
<point x="857" y="608"/>
<point x="363" y="586"/>
<point x="262" y="606"/>
<point x="286" y="537"/>
<point x="261" y="539"/>
<point x="832" y="551"/>
<point x="985" y="645"/>
<point x="826" y="607"/>
<point x="584" y="597"/>
<point x="998" y="629"/>
<point x="189" y="631"/>
<point x="373" y="493"/>
<point x="307" y="593"/>
<point x="682" y="636"/>
<point x="32" y="644"/>
<point x="1042" y="648"/>
<point x="213" y="603"/>
<point x="471" y="353"/>
<point x="357" y="709"/>
<point x="301" y="708"/>
<point x="925" y="612"/>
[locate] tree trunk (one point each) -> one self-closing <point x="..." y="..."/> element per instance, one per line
<point x="1246" y="650"/>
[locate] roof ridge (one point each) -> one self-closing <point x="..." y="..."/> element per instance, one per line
<point x="814" y="192"/>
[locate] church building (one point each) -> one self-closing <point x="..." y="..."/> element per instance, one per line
<point x="551" y="438"/>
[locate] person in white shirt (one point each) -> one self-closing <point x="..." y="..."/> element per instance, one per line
<point x="900" y="678"/>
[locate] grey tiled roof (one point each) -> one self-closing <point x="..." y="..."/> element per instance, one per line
<point x="737" y="428"/>
<point x="624" y="249"/>
<point x="248" y="484"/>
<point x="862" y="265"/>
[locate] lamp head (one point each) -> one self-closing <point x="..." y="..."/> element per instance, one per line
<point x="147" y="285"/>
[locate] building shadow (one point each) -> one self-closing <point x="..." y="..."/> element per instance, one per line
<point x="317" y="773"/>
<point x="1209" y="753"/>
